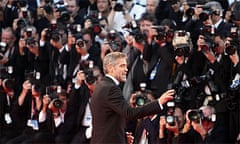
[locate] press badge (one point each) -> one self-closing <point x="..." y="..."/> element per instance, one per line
<point x="33" y="124"/>
<point x="8" y="118"/>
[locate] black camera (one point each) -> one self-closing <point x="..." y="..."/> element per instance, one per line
<point x="170" y="118"/>
<point x="118" y="7"/>
<point x="182" y="50"/>
<point x="64" y="14"/>
<point x="111" y="40"/>
<point x="3" y="49"/>
<point x="141" y="97"/>
<point x="161" y="34"/>
<point x="6" y="74"/>
<point x="195" y="115"/>
<point x="29" y="32"/>
<point x="31" y="41"/>
<point x="89" y="73"/>
<point x="21" y="23"/>
<point x="32" y="76"/>
<point x="80" y="43"/>
<point x="230" y="50"/>
<point x="135" y="31"/>
<point x="53" y="91"/>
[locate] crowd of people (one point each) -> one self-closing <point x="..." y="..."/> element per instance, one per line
<point x="53" y="53"/>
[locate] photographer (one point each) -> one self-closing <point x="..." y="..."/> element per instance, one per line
<point x="8" y="98"/>
<point x="79" y="118"/>
<point x="52" y="117"/>
<point x="114" y="42"/>
<point x="172" y="127"/>
<point x="145" y="129"/>
<point x="205" y="122"/>
<point x="27" y="110"/>
<point x="118" y="16"/>
<point x="77" y="13"/>
<point x="148" y="57"/>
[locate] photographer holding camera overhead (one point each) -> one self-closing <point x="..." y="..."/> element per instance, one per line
<point x="28" y="106"/>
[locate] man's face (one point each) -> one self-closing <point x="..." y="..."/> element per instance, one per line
<point x="8" y="38"/>
<point x="145" y="26"/>
<point x="102" y="5"/>
<point x="151" y="6"/>
<point x="180" y="117"/>
<point x="219" y="49"/>
<point x="72" y="7"/>
<point x="88" y="40"/>
<point x="119" y="70"/>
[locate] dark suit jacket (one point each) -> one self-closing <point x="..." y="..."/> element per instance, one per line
<point x="110" y="110"/>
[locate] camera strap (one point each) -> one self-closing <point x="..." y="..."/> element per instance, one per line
<point x="154" y="71"/>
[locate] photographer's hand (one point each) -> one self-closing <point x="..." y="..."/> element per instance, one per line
<point x="26" y="87"/>
<point x="174" y="128"/>
<point x="234" y="58"/>
<point x="162" y="125"/>
<point x="104" y="49"/>
<point x="166" y="96"/>
<point x="210" y="56"/>
<point x="46" y="101"/>
<point x="199" y="128"/>
<point x="80" y="77"/>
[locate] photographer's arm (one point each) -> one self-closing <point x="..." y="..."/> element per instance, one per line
<point x="199" y="128"/>
<point x="26" y="87"/>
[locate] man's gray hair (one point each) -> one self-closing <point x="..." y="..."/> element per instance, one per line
<point x="112" y="59"/>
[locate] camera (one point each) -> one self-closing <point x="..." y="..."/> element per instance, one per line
<point x="3" y="49"/>
<point x="111" y="40"/>
<point x="53" y="91"/>
<point x="161" y="34"/>
<point x="6" y="74"/>
<point x="170" y="118"/>
<point x="135" y="31"/>
<point x="32" y="76"/>
<point x="89" y="73"/>
<point x="31" y="41"/>
<point x="21" y="23"/>
<point x="118" y="7"/>
<point x="182" y="43"/>
<point x="64" y="14"/>
<point x="182" y="50"/>
<point x="230" y="50"/>
<point x="195" y="115"/>
<point x="74" y="28"/>
<point x="141" y="97"/>
<point x="29" y="32"/>
<point x="80" y="43"/>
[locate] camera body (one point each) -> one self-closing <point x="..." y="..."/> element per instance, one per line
<point x="53" y="91"/>
<point x="3" y="49"/>
<point x="182" y="43"/>
<point x="6" y="74"/>
<point x="141" y="98"/>
<point x="170" y="118"/>
<point x="195" y="115"/>
<point x="111" y="37"/>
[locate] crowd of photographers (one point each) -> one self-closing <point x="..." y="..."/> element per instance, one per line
<point x="51" y="56"/>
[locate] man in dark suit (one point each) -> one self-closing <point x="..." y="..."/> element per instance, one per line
<point x="108" y="106"/>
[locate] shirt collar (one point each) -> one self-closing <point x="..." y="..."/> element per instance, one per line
<point x="113" y="78"/>
<point x="218" y="23"/>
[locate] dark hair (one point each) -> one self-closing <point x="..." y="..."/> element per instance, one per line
<point x="148" y="17"/>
